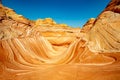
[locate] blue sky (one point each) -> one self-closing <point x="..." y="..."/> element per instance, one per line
<point x="72" y="12"/>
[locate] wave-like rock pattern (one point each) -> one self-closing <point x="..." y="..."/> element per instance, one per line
<point x="45" y="50"/>
<point x="26" y="56"/>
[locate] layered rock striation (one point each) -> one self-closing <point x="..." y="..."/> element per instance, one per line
<point x="105" y="34"/>
<point x="45" y="50"/>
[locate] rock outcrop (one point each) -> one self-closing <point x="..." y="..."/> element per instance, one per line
<point x="45" y="50"/>
<point x="87" y="27"/>
<point x="105" y="34"/>
<point x="12" y="25"/>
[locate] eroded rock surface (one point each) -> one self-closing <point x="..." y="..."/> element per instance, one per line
<point x="88" y="26"/>
<point x="105" y="34"/>
<point x="45" y="50"/>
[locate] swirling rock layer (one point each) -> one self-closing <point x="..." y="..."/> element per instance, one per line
<point x="105" y="34"/>
<point x="45" y="50"/>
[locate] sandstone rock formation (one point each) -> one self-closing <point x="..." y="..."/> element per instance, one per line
<point x="45" y="50"/>
<point x="105" y="34"/>
<point x="87" y="27"/>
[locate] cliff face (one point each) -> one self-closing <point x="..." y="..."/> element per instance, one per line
<point x="45" y="50"/>
<point x="104" y="36"/>
<point x="113" y="6"/>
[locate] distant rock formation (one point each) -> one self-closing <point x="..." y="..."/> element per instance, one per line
<point x="14" y="25"/>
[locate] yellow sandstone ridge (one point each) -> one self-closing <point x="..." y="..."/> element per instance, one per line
<point x="48" y="22"/>
<point x="88" y="25"/>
